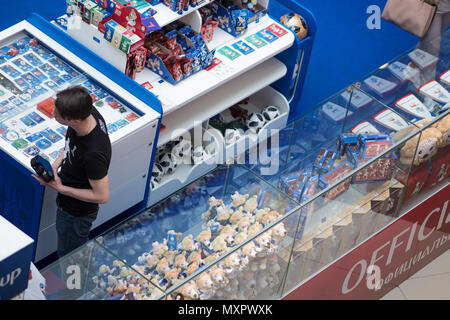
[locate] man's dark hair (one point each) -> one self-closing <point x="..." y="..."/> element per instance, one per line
<point x="74" y="103"/>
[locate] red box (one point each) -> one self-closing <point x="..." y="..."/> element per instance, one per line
<point x="440" y="168"/>
<point x="416" y="181"/>
<point x="47" y="107"/>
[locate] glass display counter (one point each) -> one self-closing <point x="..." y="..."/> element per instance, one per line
<point x="342" y="173"/>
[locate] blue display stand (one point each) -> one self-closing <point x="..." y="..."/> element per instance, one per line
<point x="297" y="57"/>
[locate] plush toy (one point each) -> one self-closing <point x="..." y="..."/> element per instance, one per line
<point x="188" y="243"/>
<point x="195" y="256"/>
<point x="218" y="244"/>
<point x="173" y="275"/>
<point x="217" y="274"/>
<point x="270" y="217"/>
<point x="248" y="284"/>
<point x="152" y="261"/>
<point x="163" y="266"/>
<point x="261" y="282"/>
<point x="426" y="143"/>
<point x="211" y="212"/>
<point x="192" y="268"/>
<point x="259" y="213"/>
<point x="244" y="223"/>
<point x="236" y="216"/>
<point x="279" y="232"/>
<point x="254" y="228"/>
<point x="443" y="126"/>
<point x="251" y="204"/>
<point x="238" y="199"/>
<point x="205" y="286"/>
<point x="240" y="237"/>
<point x="170" y="256"/>
<point x="228" y="233"/>
<point x="204" y="237"/>
<point x="263" y="241"/>
<point x="244" y="261"/>
<point x="250" y="250"/>
<point x="223" y="214"/>
<point x="190" y="291"/>
<point x="210" y="258"/>
<point x="231" y="263"/>
<point x="180" y="260"/>
<point x="159" y="248"/>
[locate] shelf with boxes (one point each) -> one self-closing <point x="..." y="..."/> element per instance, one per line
<point x="243" y="63"/>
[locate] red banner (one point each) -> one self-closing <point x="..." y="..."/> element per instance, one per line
<point x="396" y="253"/>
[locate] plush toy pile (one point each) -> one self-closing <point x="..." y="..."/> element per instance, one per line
<point x="240" y="274"/>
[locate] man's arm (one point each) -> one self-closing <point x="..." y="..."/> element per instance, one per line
<point x="98" y="194"/>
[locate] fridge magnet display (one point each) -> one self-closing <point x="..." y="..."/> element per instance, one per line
<point x="256" y="41"/>
<point x="267" y="35"/>
<point x="403" y="72"/>
<point x="229" y="53"/>
<point x="359" y="100"/>
<point x="435" y="91"/>
<point x="379" y="85"/>
<point x="43" y="144"/>
<point x="242" y="47"/>
<point x="33" y="59"/>
<point x="390" y="120"/>
<point x="364" y="127"/>
<point x="9" y="70"/>
<point x="22" y="64"/>
<point x="422" y="58"/>
<point x="412" y="105"/>
<point x="335" y="113"/>
<point x="445" y="77"/>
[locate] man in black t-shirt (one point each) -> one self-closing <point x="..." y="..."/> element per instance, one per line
<point x="81" y="172"/>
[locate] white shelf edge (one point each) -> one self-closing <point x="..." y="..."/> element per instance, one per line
<point x="221" y="98"/>
<point x="165" y="16"/>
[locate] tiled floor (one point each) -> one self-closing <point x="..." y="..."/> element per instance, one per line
<point x="430" y="283"/>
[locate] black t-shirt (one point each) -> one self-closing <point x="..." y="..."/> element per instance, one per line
<point x="85" y="157"/>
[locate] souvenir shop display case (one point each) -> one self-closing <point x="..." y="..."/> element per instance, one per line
<point x="36" y="61"/>
<point x="233" y="58"/>
<point x="334" y="178"/>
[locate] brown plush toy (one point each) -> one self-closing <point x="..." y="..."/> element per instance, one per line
<point x="443" y="126"/>
<point x="427" y="144"/>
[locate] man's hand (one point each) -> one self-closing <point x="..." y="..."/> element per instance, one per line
<point x="55" y="183"/>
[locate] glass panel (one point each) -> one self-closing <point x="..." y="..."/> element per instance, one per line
<point x="175" y="240"/>
<point x="92" y="273"/>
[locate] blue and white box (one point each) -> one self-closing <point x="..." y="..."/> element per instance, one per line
<point x="16" y="253"/>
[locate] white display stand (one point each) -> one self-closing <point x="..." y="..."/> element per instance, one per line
<point x="15" y="256"/>
<point x="132" y="144"/>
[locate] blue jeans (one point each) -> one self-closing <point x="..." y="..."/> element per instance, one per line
<point x="72" y="231"/>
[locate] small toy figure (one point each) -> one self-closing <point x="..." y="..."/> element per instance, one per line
<point x="180" y="260"/>
<point x="195" y="256"/>
<point x="218" y="244"/>
<point x="204" y="237"/>
<point x="188" y="243"/>
<point x="238" y="199"/>
<point x="190" y="291"/>
<point x="218" y="276"/>
<point x="163" y="266"/>
<point x="228" y="233"/>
